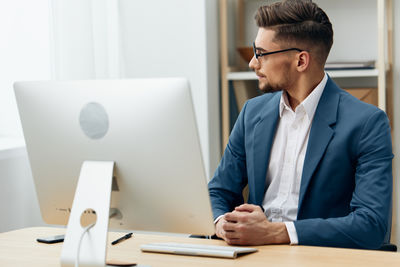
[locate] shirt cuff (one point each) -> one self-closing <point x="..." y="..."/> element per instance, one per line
<point x="291" y="229"/>
<point x="219" y="217"/>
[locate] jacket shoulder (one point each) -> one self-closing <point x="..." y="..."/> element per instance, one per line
<point x="350" y="105"/>
<point x="262" y="101"/>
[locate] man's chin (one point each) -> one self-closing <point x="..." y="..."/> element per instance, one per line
<point x="266" y="88"/>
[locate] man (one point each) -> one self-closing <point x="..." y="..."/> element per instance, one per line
<point x="316" y="160"/>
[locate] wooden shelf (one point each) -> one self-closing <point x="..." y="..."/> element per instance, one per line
<point x="353" y="73"/>
<point x="250" y="75"/>
<point x="241" y="75"/>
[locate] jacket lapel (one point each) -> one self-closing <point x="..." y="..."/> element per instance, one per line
<point x="320" y="135"/>
<point x="264" y="132"/>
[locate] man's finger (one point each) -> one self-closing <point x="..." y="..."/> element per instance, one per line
<point x="232" y="235"/>
<point x="234" y="241"/>
<point x="247" y="208"/>
<point x="231" y="216"/>
<point x="221" y="233"/>
<point x="229" y="226"/>
<point x="237" y="216"/>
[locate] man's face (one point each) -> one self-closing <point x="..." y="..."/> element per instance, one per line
<point x="274" y="71"/>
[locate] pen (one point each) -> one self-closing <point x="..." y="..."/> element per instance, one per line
<point x="127" y="236"/>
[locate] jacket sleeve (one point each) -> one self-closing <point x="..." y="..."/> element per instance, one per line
<point x="230" y="177"/>
<point x="366" y="225"/>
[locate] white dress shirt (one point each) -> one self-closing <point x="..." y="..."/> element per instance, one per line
<point x="287" y="159"/>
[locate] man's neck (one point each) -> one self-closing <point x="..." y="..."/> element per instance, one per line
<point x="302" y="87"/>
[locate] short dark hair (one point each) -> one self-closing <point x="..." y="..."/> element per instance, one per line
<point x="300" y="23"/>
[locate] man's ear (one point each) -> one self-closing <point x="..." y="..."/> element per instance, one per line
<point x="303" y="61"/>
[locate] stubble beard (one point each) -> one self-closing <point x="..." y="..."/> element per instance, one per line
<point x="271" y="88"/>
<point x="283" y="84"/>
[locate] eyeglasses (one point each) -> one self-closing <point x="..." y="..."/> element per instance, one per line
<point x="273" y="52"/>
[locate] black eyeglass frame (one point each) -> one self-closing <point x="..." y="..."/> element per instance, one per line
<point x="273" y="52"/>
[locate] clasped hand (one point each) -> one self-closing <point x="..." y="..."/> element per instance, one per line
<point x="248" y="225"/>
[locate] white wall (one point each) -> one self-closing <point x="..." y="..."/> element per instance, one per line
<point x="18" y="202"/>
<point x="161" y="38"/>
<point x="396" y="122"/>
<point x="178" y="38"/>
<point x="24" y="54"/>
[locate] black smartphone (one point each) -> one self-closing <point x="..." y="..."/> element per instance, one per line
<point x="51" y="239"/>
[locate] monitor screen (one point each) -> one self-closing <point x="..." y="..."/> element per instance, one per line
<point x="147" y="127"/>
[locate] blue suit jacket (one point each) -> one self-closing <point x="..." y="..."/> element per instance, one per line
<point x="346" y="184"/>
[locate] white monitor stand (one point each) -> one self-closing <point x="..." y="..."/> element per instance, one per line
<point x="93" y="192"/>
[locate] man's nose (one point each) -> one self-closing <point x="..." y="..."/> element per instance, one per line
<point x="254" y="64"/>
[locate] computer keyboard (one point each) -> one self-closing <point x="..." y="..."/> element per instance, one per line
<point x="197" y="250"/>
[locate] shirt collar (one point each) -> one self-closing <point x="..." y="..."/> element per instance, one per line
<point x="310" y="103"/>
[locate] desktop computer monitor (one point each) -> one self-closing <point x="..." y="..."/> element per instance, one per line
<point x="146" y="127"/>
